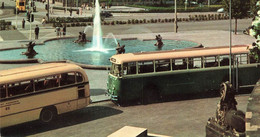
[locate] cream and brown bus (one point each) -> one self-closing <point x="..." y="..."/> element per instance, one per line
<point x="41" y="92"/>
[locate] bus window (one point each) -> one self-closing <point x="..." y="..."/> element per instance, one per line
<point x="145" y="67"/>
<point x="29" y="86"/>
<point x="162" y="65"/>
<point x="224" y="60"/>
<point x="197" y="63"/>
<point x="129" y="68"/>
<point x="179" y="64"/>
<point x="116" y="70"/>
<point x="241" y="58"/>
<point x="67" y="78"/>
<point x="79" y="77"/>
<point x="51" y="81"/>
<point x="20" y="88"/>
<point x="2" y="91"/>
<point x="210" y="62"/>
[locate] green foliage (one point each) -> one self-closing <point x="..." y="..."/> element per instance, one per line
<point x="70" y="20"/>
<point x="253" y="8"/>
<point x="239" y="8"/>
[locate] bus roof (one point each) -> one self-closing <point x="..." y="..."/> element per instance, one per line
<point x="175" y="54"/>
<point x="37" y="71"/>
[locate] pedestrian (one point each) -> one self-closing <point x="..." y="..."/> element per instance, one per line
<point x="52" y="10"/>
<point x="43" y="21"/>
<point x="57" y="31"/>
<point x="64" y="30"/>
<point x="70" y="11"/>
<point x="80" y="11"/>
<point x="23" y="23"/>
<point x="36" y="31"/>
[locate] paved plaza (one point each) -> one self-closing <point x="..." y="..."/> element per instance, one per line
<point x="178" y="118"/>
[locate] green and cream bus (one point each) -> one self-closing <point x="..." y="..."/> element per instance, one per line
<point x="41" y="92"/>
<point x="149" y="76"/>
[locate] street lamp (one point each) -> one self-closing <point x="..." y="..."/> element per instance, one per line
<point x="48" y="10"/>
<point x="66" y="5"/>
<point x="185" y="3"/>
<point x="175" y="20"/>
<point x="29" y="11"/>
<point x="16" y="17"/>
<point x="230" y="43"/>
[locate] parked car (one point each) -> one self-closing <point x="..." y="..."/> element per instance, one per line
<point x="193" y="3"/>
<point x="221" y="10"/>
<point x="105" y="14"/>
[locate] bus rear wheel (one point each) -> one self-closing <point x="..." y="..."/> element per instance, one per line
<point x="47" y="115"/>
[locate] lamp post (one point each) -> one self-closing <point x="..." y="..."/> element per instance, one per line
<point x="175" y="20"/>
<point x="16" y="17"/>
<point x="29" y="10"/>
<point x="66" y="1"/>
<point x="185" y="3"/>
<point x="230" y="44"/>
<point x="208" y="3"/>
<point x="48" y="8"/>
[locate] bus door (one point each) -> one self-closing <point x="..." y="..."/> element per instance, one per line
<point x="82" y="100"/>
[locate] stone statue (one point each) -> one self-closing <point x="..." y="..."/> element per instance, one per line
<point x="30" y="50"/>
<point x="159" y="42"/>
<point x="120" y="49"/>
<point x="82" y="38"/>
<point x="229" y="120"/>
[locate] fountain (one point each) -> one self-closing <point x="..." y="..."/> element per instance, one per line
<point x="97" y="42"/>
<point x="95" y="53"/>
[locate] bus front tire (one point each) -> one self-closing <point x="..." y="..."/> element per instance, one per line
<point x="47" y="115"/>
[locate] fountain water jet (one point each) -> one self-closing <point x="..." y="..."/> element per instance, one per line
<point x="97" y="42"/>
<point x="108" y="38"/>
<point x="87" y="28"/>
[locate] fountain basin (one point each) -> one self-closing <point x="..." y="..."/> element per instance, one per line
<point x="66" y="49"/>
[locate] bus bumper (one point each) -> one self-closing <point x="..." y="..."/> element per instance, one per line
<point x="113" y="97"/>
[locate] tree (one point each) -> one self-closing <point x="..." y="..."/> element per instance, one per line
<point x="253" y="8"/>
<point x="239" y="9"/>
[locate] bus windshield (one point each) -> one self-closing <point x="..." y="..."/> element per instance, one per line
<point x="21" y="3"/>
<point x="116" y="70"/>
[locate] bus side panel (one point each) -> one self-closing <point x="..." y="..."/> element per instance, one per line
<point x="20" y="118"/>
<point x="66" y="107"/>
<point x="183" y="82"/>
<point x="170" y="83"/>
<point x="38" y="101"/>
<point x="248" y="75"/>
<point x="132" y="88"/>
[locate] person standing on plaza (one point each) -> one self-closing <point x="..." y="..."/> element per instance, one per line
<point x="36" y="31"/>
<point x="23" y="23"/>
<point x="80" y="11"/>
<point x="64" y="30"/>
<point x="52" y="10"/>
<point x="70" y="11"/>
<point x="57" y="31"/>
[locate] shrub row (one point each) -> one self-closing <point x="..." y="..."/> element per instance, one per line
<point x="70" y="19"/>
<point x="141" y="21"/>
